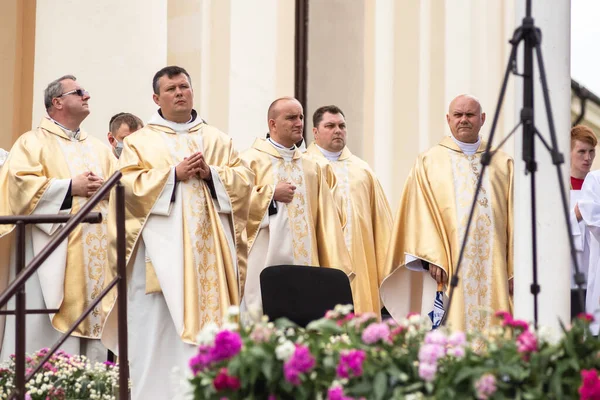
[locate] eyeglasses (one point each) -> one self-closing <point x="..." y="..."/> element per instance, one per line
<point x="79" y="92"/>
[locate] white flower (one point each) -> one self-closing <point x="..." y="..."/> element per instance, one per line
<point x="231" y="326"/>
<point x="285" y="351"/>
<point x="344" y="309"/>
<point x="289" y="332"/>
<point x="233" y="311"/>
<point x="206" y="337"/>
<point x="548" y="335"/>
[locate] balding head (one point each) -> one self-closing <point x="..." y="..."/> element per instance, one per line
<point x="465" y="118"/>
<point x="286" y="121"/>
<point x="275" y="107"/>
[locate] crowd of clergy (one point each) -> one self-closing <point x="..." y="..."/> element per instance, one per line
<point x="203" y="221"/>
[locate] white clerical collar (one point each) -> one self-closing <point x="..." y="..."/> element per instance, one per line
<point x="467" y="148"/>
<point x="286" y="153"/>
<point x="331" y="156"/>
<point x="158" y="119"/>
<point x="73" y="135"/>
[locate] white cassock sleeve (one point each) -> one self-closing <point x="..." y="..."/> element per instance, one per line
<point x="51" y="201"/>
<point x="163" y="204"/>
<point x="222" y="201"/>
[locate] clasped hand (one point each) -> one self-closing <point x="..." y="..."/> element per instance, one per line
<point x="192" y="166"/>
<point x="86" y="184"/>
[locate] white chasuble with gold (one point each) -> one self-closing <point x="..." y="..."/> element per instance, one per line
<point x="183" y="243"/>
<point x="368" y="223"/>
<point x="73" y="276"/>
<point x="306" y="231"/>
<point x="431" y="224"/>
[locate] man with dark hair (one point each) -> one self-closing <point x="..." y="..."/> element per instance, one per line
<point x="368" y="218"/>
<point x="187" y="204"/>
<point x="293" y="218"/>
<point x="120" y="126"/>
<point x="54" y="169"/>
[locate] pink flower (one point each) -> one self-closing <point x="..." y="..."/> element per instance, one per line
<point x="336" y="393"/>
<point x="526" y="342"/>
<point x="436" y="337"/>
<point x="300" y="362"/>
<point x="227" y="344"/>
<point x="376" y="332"/>
<point x="586" y="317"/>
<point x="457" y="339"/>
<point x="430" y="353"/>
<point x="590" y="385"/>
<point x="201" y="360"/>
<point x="485" y="386"/>
<point x="223" y="381"/>
<point x="503" y="315"/>
<point x="427" y="371"/>
<point x="272" y="397"/>
<point x="458" y="351"/>
<point x="351" y="363"/>
<point x="517" y="323"/>
<point x="261" y="334"/>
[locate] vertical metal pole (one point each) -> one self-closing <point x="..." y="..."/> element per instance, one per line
<point x="20" y="308"/>
<point x="301" y="55"/>
<point x="122" y="295"/>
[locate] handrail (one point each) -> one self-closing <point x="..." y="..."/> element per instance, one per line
<point x="17" y="287"/>
<point x="91" y="218"/>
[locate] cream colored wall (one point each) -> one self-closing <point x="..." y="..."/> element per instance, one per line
<point x="241" y="57"/>
<point x="394" y="67"/>
<point x="113" y="47"/>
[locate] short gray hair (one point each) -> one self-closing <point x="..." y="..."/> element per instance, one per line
<point x="55" y="89"/>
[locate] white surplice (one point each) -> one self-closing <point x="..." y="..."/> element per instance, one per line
<point x="589" y="242"/>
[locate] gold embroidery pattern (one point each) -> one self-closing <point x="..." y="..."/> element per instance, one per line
<point x="297" y="209"/>
<point x="477" y="268"/>
<point x="81" y="158"/>
<point x="195" y="210"/>
<point x="343" y="176"/>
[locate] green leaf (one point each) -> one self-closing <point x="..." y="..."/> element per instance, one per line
<point x="267" y="368"/>
<point x="380" y="385"/>
<point x="324" y="325"/>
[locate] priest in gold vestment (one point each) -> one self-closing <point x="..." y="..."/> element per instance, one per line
<point x="367" y="214"/>
<point x="53" y="169"/>
<point x="187" y="195"/>
<point x="293" y="219"/>
<point x="431" y="222"/>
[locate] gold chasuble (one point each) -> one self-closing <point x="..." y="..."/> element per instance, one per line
<point x="73" y="276"/>
<point x="204" y="269"/>
<point x="307" y="231"/>
<point x="367" y="226"/>
<point x="430" y="226"/>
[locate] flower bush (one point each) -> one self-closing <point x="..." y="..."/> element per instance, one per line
<point x="345" y="356"/>
<point x="63" y="377"/>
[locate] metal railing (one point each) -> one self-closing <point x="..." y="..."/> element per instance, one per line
<point x="17" y="286"/>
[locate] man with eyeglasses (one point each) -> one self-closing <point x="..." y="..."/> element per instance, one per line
<point x="120" y="126"/>
<point x="187" y="197"/>
<point x="54" y="169"/>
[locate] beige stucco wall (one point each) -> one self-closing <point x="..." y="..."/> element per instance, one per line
<point x="112" y="47"/>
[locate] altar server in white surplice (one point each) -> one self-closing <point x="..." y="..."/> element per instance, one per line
<point x="187" y="196"/>
<point x="583" y="152"/>
<point x="53" y="169"/>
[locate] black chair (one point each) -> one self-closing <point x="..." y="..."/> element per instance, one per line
<point x="301" y="293"/>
